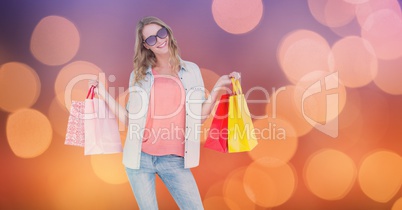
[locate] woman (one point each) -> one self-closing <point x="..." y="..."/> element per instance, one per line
<point x="166" y="108"/>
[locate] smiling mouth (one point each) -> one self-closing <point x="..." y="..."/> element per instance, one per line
<point x="162" y="45"/>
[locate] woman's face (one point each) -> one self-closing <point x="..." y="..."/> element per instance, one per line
<point x="161" y="45"/>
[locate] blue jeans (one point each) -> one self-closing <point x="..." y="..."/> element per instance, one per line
<point x="178" y="180"/>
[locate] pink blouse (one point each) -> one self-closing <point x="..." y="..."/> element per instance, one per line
<point x="165" y="124"/>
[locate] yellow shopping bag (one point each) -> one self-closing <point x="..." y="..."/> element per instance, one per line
<point x="241" y="136"/>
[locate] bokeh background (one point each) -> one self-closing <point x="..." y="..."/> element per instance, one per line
<point x="338" y="148"/>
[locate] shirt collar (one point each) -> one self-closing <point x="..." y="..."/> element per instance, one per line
<point x="182" y="67"/>
<point x="149" y="70"/>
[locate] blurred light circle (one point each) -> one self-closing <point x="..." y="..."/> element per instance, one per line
<point x="283" y="106"/>
<point x="72" y="81"/>
<point x="389" y="76"/>
<point x="322" y="97"/>
<point x="81" y="191"/>
<point x="330" y="174"/>
<point x="397" y="205"/>
<point x="277" y="141"/>
<point x="237" y="16"/>
<point x="109" y="168"/>
<point x="368" y="7"/>
<point x="215" y="189"/>
<point x="383" y="29"/>
<point x="55" y="40"/>
<point x="58" y="116"/>
<point x="234" y="189"/>
<point x="269" y="186"/>
<point x="351" y="29"/>
<point x="19" y="86"/>
<point x="29" y="133"/>
<point x="302" y="52"/>
<point x="380" y="175"/>
<point x="355" y="60"/>
<point x="332" y="13"/>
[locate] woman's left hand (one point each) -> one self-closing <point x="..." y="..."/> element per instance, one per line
<point x="226" y="79"/>
<point x="235" y="75"/>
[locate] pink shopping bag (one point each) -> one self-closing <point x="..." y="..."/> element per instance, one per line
<point x="101" y="129"/>
<point x="75" y="134"/>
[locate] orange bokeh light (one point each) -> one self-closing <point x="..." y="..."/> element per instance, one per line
<point x="109" y="168"/>
<point x="72" y="81"/>
<point x="269" y="186"/>
<point x="302" y="52"/>
<point x="80" y="191"/>
<point x="380" y="175"/>
<point x="234" y="190"/>
<point x="29" y="133"/>
<point x="58" y="116"/>
<point x="397" y="205"/>
<point x="19" y="86"/>
<point x="237" y="16"/>
<point x="216" y="189"/>
<point x="277" y="142"/>
<point x="283" y="106"/>
<point x="322" y="97"/>
<point x="330" y="174"/>
<point x="55" y="40"/>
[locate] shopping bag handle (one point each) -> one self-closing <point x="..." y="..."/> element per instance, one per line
<point x="236" y="86"/>
<point x="91" y="92"/>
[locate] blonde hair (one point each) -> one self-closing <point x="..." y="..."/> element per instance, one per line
<point x="143" y="58"/>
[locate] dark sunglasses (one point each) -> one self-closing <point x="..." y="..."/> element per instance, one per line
<point x="151" y="40"/>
